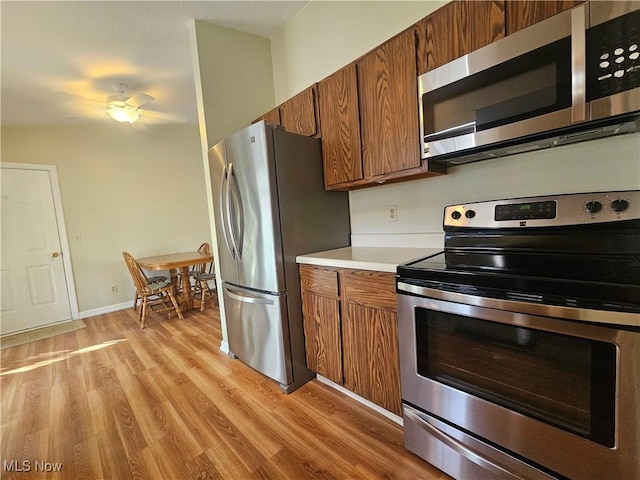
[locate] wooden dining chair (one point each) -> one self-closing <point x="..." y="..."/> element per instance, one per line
<point x="154" y="279"/>
<point x="156" y="297"/>
<point x="203" y="274"/>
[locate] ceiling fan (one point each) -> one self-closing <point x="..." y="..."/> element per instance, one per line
<point x="125" y="108"/>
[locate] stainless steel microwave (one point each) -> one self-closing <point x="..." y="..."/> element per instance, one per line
<point x="572" y="77"/>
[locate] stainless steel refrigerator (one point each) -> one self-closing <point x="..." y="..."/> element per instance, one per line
<point x="270" y="206"/>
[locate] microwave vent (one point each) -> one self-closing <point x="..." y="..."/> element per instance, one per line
<point x="471" y="158"/>
<point x="625" y="124"/>
<point x="526" y="148"/>
<point x="587" y="135"/>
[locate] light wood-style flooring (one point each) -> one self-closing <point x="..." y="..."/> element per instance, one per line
<point x="111" y="401"/>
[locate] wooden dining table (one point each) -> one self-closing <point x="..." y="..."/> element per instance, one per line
<point x="174" y="262"/>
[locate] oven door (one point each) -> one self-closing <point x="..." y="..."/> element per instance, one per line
<point x="498" y="387"/>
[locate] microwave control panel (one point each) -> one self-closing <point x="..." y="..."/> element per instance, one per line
<point x="613" y="56"/>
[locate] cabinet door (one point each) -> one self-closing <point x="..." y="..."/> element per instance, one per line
<point x="322" y="336"/>
<point x="387" y="91"/>
<point x="370" y="337"/>
<point x="272" y="117"/>
<point x="521" y="14"/>
<point x="338" y="112"/>
<point x="458" y="28"/>
<point x="298" y="114"/>
<point x="321" y="321"/>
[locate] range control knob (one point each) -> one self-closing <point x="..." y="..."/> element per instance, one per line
<point x="456" y="215"/>
<point x="593" y="207"/>
<point x="470" y="213"/>
<point x="619" y="205"/>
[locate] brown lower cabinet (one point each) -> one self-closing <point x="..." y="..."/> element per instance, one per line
<point x="321" y="312"/>
<point x="351" y="331"/>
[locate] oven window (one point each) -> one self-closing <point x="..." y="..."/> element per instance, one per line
<point x="565" y="381"/>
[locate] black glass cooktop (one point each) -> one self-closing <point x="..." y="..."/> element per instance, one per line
<point x="609" y="282"/>
<point x="620" y="269"/>
<point x="578" y="250"/>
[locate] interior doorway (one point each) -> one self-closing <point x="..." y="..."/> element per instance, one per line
<point x="36" y="280"/>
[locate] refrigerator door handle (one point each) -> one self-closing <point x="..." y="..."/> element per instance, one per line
<point x="227" y="216"/>
<point x="247" y="298"/>
<point x="223" y="201"/>
<point x="232" y="182"/>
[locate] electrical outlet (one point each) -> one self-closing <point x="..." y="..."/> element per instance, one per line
<point x="113" y="288"/>
<point x="392" y="213"/>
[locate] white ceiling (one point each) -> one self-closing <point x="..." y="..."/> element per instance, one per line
<point x="53" y="52"/>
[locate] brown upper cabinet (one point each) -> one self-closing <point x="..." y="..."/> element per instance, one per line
<point x="298" y="114"/>
<point x="272" y="117"/>
<point x="369" y="116"/>
<point x="368" y="110"/>
<point x="339" y="114"/>
<point x="458" y="28"/>
<point x="387" y="91"/>
<point x="521" y="15"/>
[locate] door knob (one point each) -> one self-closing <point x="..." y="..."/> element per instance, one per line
<point x="55" y="254"/>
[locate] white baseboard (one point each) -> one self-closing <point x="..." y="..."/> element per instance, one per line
<point x="364" y="401"/>
<point x="102" y="310"/>
<point x="224" y="347"/>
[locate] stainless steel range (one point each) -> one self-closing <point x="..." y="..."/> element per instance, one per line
<point x="520" y="343"/>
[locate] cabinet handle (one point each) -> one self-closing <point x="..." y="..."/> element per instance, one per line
<point x="55" y="254"/>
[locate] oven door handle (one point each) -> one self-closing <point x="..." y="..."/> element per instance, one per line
<point x="515" y="306"/>
<point x="461" y="449"/>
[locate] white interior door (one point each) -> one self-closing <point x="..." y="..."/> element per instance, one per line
<point x="34" y="287"/>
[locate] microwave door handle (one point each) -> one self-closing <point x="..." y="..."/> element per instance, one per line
<point x="578" y="64"/>
<point x="223" y="208"/>
<point x="461" y="449"/>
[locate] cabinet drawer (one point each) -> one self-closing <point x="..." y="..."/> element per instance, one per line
<point x="371" y="289"/>
<point x="323" y="281"/>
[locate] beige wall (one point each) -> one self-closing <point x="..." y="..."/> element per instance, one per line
<point x="140" y="191"/>
<point x="598" y="165"/>
<point x="233" y="78"/>
<point x="327" y="35"/>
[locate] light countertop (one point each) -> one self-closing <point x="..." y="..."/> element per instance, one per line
<point x="381" y="259"/>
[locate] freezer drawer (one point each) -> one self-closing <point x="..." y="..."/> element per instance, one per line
<point x="257" y="327"/>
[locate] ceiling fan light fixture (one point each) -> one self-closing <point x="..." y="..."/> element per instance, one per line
<point x="123" y="113"/>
